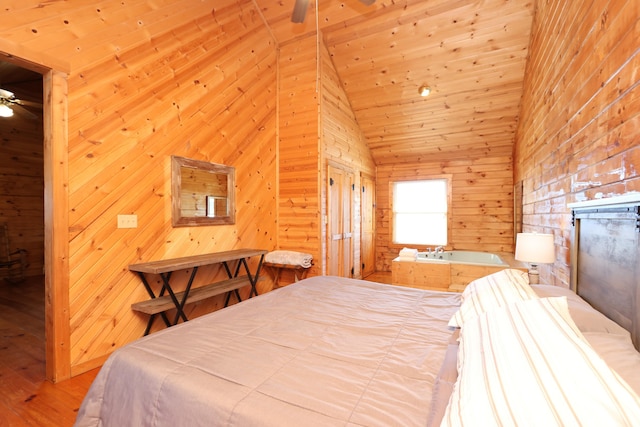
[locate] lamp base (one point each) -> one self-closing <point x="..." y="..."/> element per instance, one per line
<point x="534" y="277"/>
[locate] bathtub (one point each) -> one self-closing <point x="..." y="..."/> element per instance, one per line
<point x="463" y="257"/>
<point x="447" y="271"/>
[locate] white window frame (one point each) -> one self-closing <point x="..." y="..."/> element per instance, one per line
<point x="392" y="186"/>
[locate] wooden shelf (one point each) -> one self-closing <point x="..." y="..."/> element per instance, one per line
<point x="164" y="303"/>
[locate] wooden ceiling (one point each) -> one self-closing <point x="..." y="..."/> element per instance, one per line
<point x="471" y="53"/>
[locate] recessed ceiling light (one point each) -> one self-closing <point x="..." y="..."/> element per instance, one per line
<point x="424" y="90"/>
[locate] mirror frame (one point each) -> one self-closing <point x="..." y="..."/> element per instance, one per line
<point x="177" y="219"/>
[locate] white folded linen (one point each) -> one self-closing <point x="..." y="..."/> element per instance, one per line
<point x="406" y="258"/>
<point x="408" y="253"/>
<point x="289" y="257"/>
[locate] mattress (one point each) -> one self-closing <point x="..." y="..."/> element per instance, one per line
<point x="322" y="352"/>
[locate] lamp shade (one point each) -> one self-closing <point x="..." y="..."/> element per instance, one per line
<point x="535" y="248"/>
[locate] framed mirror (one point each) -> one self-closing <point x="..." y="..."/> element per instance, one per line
<point x="202" y="193"/>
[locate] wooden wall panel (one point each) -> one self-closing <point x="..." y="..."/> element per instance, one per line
<point x="218" y="110"/>
<point x="580" y="117"/>
<point x="343" y="145"/>
<point x="150" y="80"/>
<point x="206" y="80"/>
<point x="313" y="131"/>
<point x="482" y="204"/>
<point x="299" y="221"/>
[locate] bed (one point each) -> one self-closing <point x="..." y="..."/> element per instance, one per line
<point x="331" y="351"/>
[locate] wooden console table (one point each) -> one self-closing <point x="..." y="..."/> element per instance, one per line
<point x="167" y="299"/>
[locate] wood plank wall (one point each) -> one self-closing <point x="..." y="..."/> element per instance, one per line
<point x="204" y="81"/>
<point x="482" y="203"/>
<point x="205" y="91"/>
<point x="343" y="144"/>
<point x="22" y="183"/>
<point x="314" y="130"/>
<point x="579" y="134"/>
<point x="148" y="81"/>
<point x="200" y="80"/>
<point x="299" y="221"/>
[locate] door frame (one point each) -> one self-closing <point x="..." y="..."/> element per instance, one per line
<point x="56" y="203"/>
<point x="371" y="178"/>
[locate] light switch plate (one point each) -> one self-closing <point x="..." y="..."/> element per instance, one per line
<point x="127" y="221"/>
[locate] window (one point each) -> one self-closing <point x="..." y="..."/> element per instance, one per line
<point x="420" y="211"/>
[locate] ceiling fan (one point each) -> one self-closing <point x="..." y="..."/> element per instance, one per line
<point x="300" y="9"/>
<point x="10" y="104"/>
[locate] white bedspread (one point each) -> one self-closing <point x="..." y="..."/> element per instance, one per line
<point x="322" y="352"/>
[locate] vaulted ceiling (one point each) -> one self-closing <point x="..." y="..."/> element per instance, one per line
<point x="472" y="54"/>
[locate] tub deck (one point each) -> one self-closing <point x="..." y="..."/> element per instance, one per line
<point x="452" y="277"/>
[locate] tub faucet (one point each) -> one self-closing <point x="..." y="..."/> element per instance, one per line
<point x="439" y="249"/>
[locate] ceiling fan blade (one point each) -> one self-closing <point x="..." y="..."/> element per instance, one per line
<point x="31" y="104"/>
<point x="6" y="94"/>
<point x="299" y="11"/>
<point x="368" y="2"/>
<point x="19" y="109"/>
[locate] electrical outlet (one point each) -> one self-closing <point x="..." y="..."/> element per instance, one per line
<point x="127" y="221"/>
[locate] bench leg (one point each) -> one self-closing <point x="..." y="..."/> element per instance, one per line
<point x="303" y="274"/>
<point x="276" y="276"/>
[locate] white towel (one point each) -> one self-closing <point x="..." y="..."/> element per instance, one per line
<point x="408" y="253"/>
<point x="289" y="257"/>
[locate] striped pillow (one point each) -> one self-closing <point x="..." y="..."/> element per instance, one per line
<point x="526" y="364"/>
<point x="492" y="291"/>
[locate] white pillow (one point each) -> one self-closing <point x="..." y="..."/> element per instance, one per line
<point x="527" y="364"/>
<point x="492" y="291"/>
<point x="587" y="318"/>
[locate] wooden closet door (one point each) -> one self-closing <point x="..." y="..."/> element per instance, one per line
<point x="340" y="224"/>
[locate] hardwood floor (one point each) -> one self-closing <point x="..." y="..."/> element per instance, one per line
<point x="26" y="397"/>
<point x="380" y="277"/>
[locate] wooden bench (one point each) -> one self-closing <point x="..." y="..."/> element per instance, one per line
<point x="299" y="272"/>
<point x="167" y="299"/>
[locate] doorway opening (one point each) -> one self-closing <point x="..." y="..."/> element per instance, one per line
<point x="22" y="280"/>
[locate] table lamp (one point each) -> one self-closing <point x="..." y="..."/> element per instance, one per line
<point x="535" y="248"/>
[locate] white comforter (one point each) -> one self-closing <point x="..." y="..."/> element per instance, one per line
<point x="325" y="351"/>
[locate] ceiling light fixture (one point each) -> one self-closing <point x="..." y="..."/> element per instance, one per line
<point x="5" y="111"/>
<point x="424" y="90"/>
